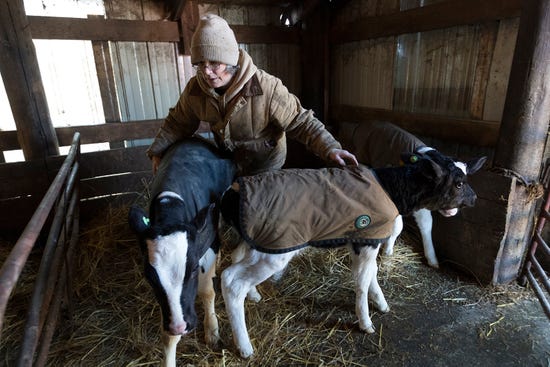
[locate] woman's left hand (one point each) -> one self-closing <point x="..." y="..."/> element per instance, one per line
<point x="340" y="156"/>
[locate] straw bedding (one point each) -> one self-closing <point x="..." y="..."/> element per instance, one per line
<point x="305" y="319"/>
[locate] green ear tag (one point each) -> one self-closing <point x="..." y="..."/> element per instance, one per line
<point x="145" y="221"/>
<point x="413" y="159"/>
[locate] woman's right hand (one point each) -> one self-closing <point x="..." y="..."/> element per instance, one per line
<point x="156" y="161"/>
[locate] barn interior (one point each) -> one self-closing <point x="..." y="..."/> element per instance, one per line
<point x="86" y="84"/>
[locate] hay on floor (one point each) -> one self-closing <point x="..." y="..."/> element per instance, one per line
<point x="306" y="318"/>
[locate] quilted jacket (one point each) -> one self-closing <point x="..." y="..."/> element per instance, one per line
<point x="251" y="119"/>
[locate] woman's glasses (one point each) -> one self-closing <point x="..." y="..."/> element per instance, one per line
<point x="212" y="66"/>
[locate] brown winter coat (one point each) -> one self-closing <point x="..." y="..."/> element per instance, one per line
<point x="288" y="209"/>
<point x="250" y="119"/>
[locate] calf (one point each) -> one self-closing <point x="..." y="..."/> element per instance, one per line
<point x="380" y="144"/>
<point x="278" y="213"/>
<point x="179" y="239"/>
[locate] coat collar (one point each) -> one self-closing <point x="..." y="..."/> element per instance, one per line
<point x="250" y="88"/>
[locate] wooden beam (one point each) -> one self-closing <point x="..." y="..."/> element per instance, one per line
<point x="103" y="133"/>
<point x="265" y="34"/>
<point x="23" y="83"/>
<point x="189" y="21"/>
<point x="524" y="131"/>
<point x="116" y="131"/>
<point x="472" y="132"/>
<point x="144" y="30"/>
<point x="435" y="16"/>
<point x="103" y="29"/>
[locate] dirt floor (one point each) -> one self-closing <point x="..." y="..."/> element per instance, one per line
<point x="437" y="317"/>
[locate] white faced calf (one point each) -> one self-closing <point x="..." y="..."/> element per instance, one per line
<point x="179" y="238"/>
<point x="278" y="213"/>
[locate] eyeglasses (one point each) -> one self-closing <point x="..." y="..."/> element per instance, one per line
<point x="212" y="66"/>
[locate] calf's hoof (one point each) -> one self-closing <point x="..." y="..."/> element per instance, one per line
<point x="369" y="329"/>
<point x="253" y="295"/>
<point x="246" y="352"/>
<point x="212" y="338"/>
<point x="384" y="308"/>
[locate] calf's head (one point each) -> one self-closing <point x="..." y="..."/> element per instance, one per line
<point x="448" y="190"/>
<point x="172" y="250"/>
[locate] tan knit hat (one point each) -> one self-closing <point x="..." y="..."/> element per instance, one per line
<point x="214" y="41"/>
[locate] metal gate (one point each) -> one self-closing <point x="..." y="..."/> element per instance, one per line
<point x="539" y="254"/>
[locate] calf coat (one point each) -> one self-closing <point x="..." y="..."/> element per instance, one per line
<point x="433" y="181"/>
<point x="179" y="237"/>
<point x="315" y="198"/>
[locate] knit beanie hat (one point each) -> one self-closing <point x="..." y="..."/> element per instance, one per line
<point x="214" y="41"/>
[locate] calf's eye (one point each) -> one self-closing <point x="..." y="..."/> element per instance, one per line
<point x="459" y="185"/>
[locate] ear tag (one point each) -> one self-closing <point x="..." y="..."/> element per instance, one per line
<point x="413" y="158"/>
<point x="145" y="221"/>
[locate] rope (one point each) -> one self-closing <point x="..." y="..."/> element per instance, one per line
<point x="535" y="190"/>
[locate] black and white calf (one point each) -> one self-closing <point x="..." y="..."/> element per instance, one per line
<point x="179" y="237"/>
<point x="433" y="181"/>
<point x="379" y="144"/>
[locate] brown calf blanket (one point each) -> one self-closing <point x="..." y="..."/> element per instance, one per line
<point x="285" y="210"/>
<point x="380" y="144"/>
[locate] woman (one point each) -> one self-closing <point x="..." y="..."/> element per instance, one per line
<point x="250" y="112"/>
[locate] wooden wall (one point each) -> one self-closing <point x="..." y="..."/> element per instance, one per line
<point x="121" y="174"/>
<point x="440" y="71"/>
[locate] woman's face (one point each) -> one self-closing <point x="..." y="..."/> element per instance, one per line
<point x="215" y="73"/>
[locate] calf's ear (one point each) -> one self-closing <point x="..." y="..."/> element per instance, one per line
<point x="474" y="165"/>
<point x="206" y="224"/>
<point x="138" y="220"/>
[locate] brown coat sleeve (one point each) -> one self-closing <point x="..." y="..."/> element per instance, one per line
<point x="181" y="122"/>
<point x="300" y="124"/>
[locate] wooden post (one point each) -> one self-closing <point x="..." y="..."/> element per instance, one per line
<point x="24" y="88"/>
<point x="523" y="131"/>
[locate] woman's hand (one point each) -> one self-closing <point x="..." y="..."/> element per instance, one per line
<point x="340" y="156"/>
<point x="156" y="161"/>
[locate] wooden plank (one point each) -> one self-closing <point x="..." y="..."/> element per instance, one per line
<point x="114" y="161"/>
<point x="103" y="29"/>
<point x="189" y="21"/>
<point x="109" y="132"/>
<point x="435" y="16"/>
<point x="144" y="31"/>
<point x="23" y="83"/>
<point x="90" y="209"/>
<point x="501" y="64"/>
<point x="524" y="130"/>
<point x="115" y="184"/>
<point x="104" y="69"/>
<point x="17" y="214"/>
<point x="89" y="134"/>
<point x="460" y="242"/>
<point x="265" y="34"/>
<point x="487" y="39"/>
<point x="473" y="132"/>
<point x="8" y="140"/>
<point x="16" y="179"/>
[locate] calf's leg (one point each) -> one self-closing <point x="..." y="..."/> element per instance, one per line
<point x="365" y="272"/>
<point x="397" y="228"/>
<point x="236" y="256"/>
<point x="207" y="295"/>
<point x="169" y="343"/>
<point x="423" y="218"/>
<point x="237" y="280"/>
